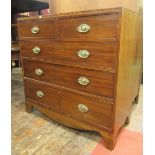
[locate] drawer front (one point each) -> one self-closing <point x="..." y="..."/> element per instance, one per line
<point x="87" y="80"/>
<point x="37" y="28"/>
<point x="80" y="107"/>
<point x="92" y="28"/>
<point x="95" y="55"/>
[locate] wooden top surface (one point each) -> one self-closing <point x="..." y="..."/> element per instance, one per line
<point x="74" y="14"/>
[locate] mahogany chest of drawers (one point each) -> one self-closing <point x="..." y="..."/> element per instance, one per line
<point x="82" y="69"/>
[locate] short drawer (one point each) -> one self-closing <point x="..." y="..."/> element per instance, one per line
<point x="86" y="80"/>
<point x="86" y="109"/>
<point x="93" y="55"/>
<point x="37" y="28"/>
<point x="89" y="28"/>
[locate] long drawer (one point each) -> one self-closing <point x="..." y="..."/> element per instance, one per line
<point x="77" y="106"/>
<point x="88" y="28"/>
<point x="94" y="55"/>
<point x="37" y="28"/>
<point x="86" y="80"/>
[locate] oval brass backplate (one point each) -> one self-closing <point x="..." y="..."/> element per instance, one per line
<point x="82" y="108"/>
<point x="39" y="93"/>
<point x="83" y="54"/>
<point x="36" y="50"/>
<point x="35" y="29"/>
<point x="83" y="81"/>
<point x="83" y="28"/>
<point x="39" y="71"/>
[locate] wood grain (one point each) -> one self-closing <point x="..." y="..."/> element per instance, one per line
<point x="64" y="6"/>
<point x="101" y="83"/>
<point x="120" y="87"/>
<point x="46" y="29"/>
<point x="67" y="103"/>
<point x="102" y="55"/>
<point x="103" y="27"/>
<point x="129" y="68"/>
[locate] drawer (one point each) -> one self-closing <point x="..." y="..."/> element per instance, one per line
<point x="86" y="80"/>
<point x="90" y="28"/>
<point x="93" y="55"/>
<point x="37" y="28"/>
<point x="77" y="106"/>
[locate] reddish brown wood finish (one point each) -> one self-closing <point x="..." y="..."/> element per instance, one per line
<point x="46" y="29"/>
<point x="101" y="27"/>
<point x="67" y="102"/>
<point x="102" y="55"/>
<point x="129" y="69"/>
<point x="101" y="83"/>
<point x="113" y="68"/>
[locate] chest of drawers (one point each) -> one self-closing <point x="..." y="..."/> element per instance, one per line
<point x="82" y="69"/>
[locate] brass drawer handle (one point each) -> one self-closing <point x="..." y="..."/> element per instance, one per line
<point x="82" y="108"/>
<point x="39" y="71"/>
<point x="35" y="29"/>
<point x="83" y="81"/>
<point x="83" y="28"/>
<point x="39" y="93"/>
<point x="36" y="50"/>
<point x="83" y="54"/>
